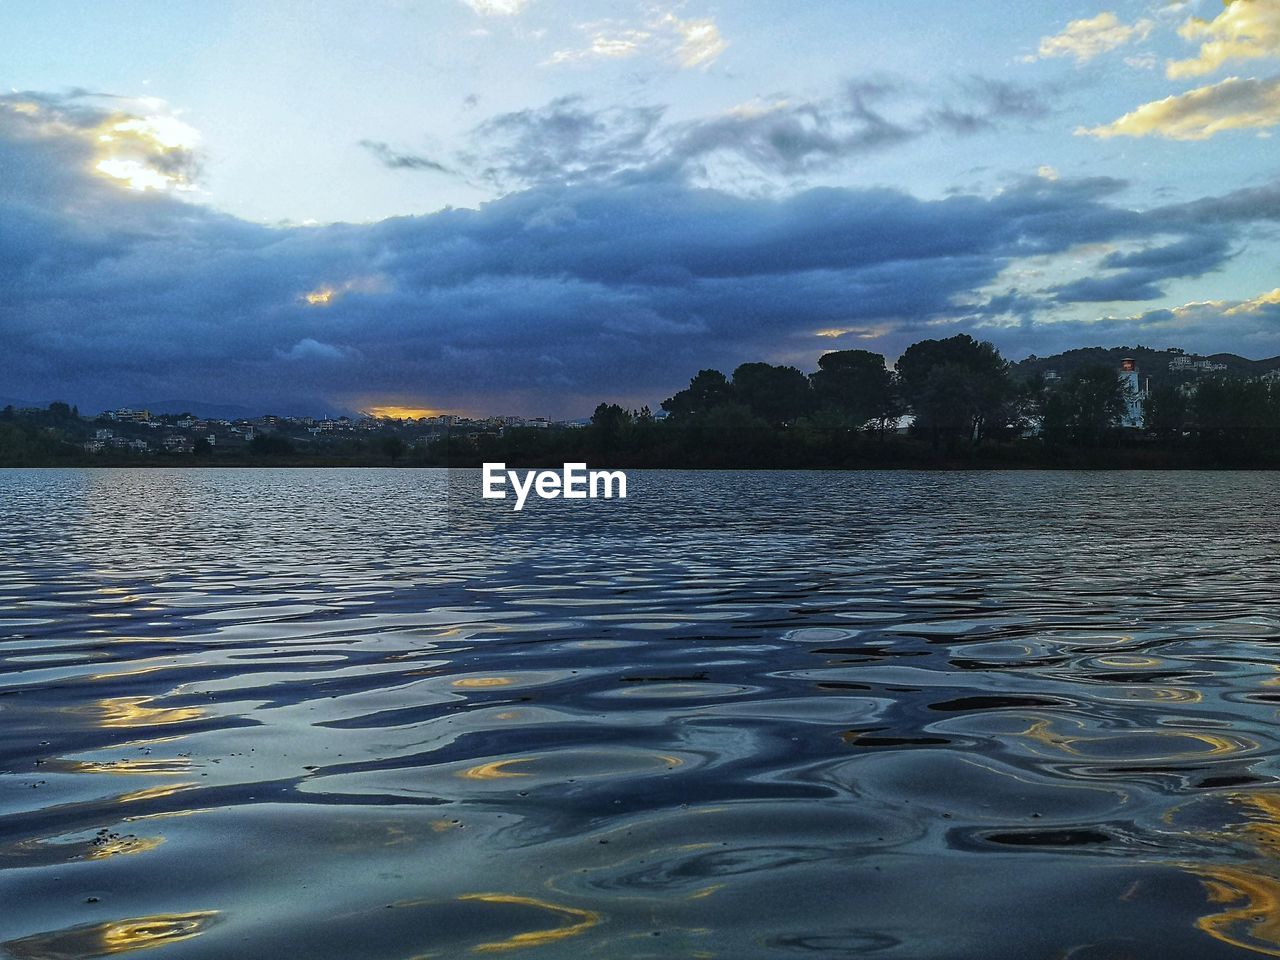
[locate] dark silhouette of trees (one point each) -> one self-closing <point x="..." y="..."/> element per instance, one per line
<point x="776" y="394"/>
<point x="270" y="445"/>
<point x="855" y="384"/>
<point x="955" y="387"/>
<point x="1236" y="419"/>
<point x="393" y="448"/>
<point x="610" y="428"/>
<point x="1165" y="411"/>
<point x="1087" y="409"/>
<point x="707" y="390"/>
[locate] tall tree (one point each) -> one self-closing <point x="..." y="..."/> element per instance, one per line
<point x="1087" y="409"/>
<point x="955" y="387"/>
<point x="708" y="389"/>
<point x="775" y="393"/>
<point x="855" y="383"/>
<point x="1165" y="412"/>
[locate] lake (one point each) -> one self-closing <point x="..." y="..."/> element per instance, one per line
<point x="364" y="714"/>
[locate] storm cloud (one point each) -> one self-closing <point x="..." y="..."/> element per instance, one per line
<point x="553" y="297"/>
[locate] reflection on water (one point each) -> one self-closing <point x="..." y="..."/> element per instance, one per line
<point x="106" y="939"/>
<point x="579" y="921"/>
<point x="312" y="713"/>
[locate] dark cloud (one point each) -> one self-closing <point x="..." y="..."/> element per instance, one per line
<point x="569" y="140"/>
<point x="986" y="104"/>
<point x="565" y="140"/>
<point x="1125" y="286"/>
<point x="395" y="160"/>
<point x="1246" y="205"/>
<point x="1139" y="274"/>
<point x="546" y="300"/>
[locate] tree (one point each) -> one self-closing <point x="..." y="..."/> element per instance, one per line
<point x="393" y="448"/>
<point x="707" y="390"/>
<point x="1165" y="413"/>
<point x="774" y="393"/>
<point x="1236" y="419"/>
<point x="610" y="425"/>
<point x="1087" y="409"/>
<point x="855" y="383"/>
<point x="955" y="387"/>
<point x="270" y="445"/>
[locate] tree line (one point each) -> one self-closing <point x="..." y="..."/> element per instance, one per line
<point x="965" y="404"/>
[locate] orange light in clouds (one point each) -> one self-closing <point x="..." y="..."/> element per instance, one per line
<point x="401" y="413"/>
<point x="327" y="293"/>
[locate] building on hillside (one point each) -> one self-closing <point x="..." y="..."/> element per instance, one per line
<point x="1184" y="364"/>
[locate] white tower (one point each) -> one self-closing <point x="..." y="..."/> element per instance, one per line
<point x="1133" y="395"/>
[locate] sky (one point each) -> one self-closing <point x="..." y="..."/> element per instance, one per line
<point x="532" y="206"/>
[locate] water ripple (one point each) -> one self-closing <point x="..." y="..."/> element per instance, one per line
<point x="355" y="713"/>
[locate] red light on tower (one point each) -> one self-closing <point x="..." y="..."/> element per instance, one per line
<point x="1128" y="365"/>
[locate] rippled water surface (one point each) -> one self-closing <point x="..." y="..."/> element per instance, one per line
<point x="365" y="715"/>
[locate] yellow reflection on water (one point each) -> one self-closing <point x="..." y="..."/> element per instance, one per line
<point x="1253" y="925"/>
<point x="495" y="770"/>
<point x="472" y="683"/>
<point x="135" y="672"/>
<point x="133" y="712"/>
<point x="153" y="793"/>
<point x="154" y="931"/>
<point x="584" y="920"/>
<point x="1249" y="892"/>
<point x="117" y="936"/>
<point x="138" y="767"/>
<point x="1043" y="732"/>
<point x="123" y="847"/>
<point x="706" y="891"/>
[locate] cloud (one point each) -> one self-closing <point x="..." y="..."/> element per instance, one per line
<point x="395" y="160"/>
<point x="570" y="140"/>
<point x="1266" y="303"/>
<point x="138" y="143"/>
<point x="990" y="103"/>
<point x="1248" y="204"/>
<point x="1252" y="326"/>
<point x="1139" y="274"/>
<point x="700" y="41"/>
<point x="546" y="300"/>
<point x="497" y="8"/>
<point x="1230" y="104"/>
<point x="1245" y="30"/>
<point x="308" y="349"/>
<point x="565" y="140"/>
<point x="688" y="43"/>
<point x="1089" y="38"/>
<point x="606" y="45"/>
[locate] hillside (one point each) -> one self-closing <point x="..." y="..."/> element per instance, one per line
<point x="1153" y="364"/>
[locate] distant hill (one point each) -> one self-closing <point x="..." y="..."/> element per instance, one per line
<point x="22" y="404"/>
<point x="216" y="411"/>
<point x="227" y="411"/>
<point x="1152" y="364"/>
